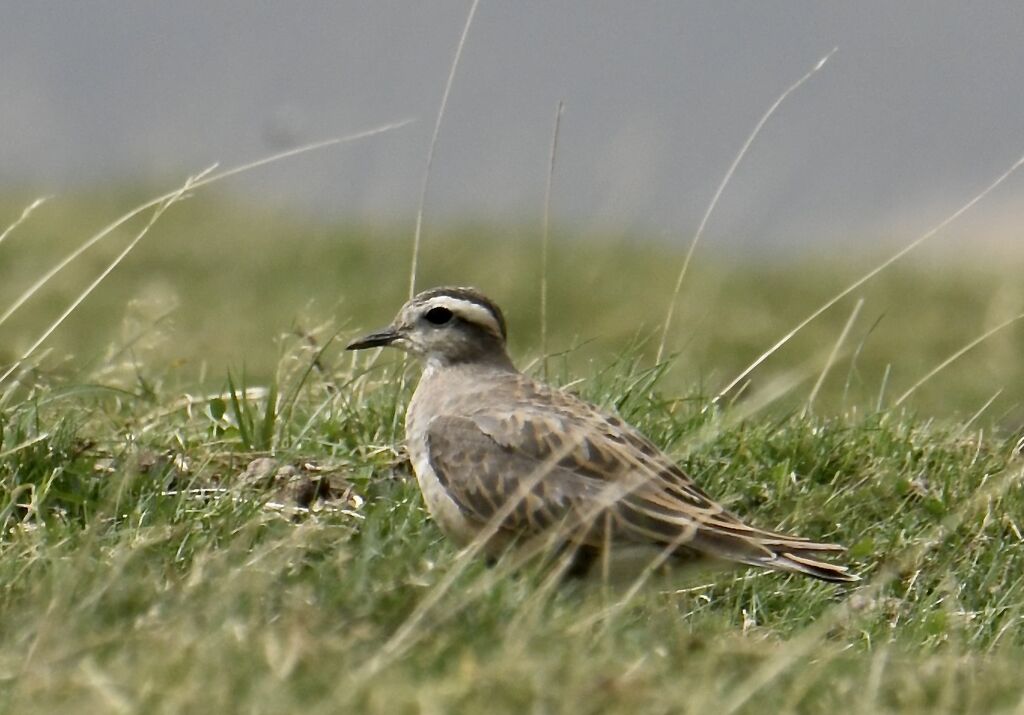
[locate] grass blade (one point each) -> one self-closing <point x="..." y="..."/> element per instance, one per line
<point x="832" y="357"/>
<point x="414" y="267"/>
<point x="931" y="233"/>
<point x="24" y="215"/>
<point x="956" y="356"/>
<point x="242" y="417"/>
<point x="718" y="194"/>
<point x="161" y="208"/>
<point x="269" y="419"/>
<point x="544" y="242"/>
<point x="203" y="181"/>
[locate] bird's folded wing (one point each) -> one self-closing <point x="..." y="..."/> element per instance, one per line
<point x="485" y="478"/>
<point x="535" y="472"/>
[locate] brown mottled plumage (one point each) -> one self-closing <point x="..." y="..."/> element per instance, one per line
<point x="489" y="443"/>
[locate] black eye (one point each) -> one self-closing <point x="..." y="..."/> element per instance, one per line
<point x="438" y="316"/>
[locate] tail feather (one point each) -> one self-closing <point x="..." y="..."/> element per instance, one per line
<point x="783" y="552"/>
<point x="796" y="563"/>
<point x="796" y="554"/>
<point x="789" y="544"/>
<point x="788" y="554"/>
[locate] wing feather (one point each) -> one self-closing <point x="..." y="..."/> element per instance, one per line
<point x="601" y="481"/>
<point x="569" y="475"/>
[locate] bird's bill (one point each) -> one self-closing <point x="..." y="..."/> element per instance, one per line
<point x="376" y="339"/>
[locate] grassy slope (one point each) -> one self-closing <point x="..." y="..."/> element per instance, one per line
<point x="123" y="588"/>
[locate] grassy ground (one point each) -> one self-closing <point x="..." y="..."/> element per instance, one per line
<point x="206" y="507"/>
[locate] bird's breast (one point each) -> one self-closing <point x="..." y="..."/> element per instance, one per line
<point x="442" y="507"/>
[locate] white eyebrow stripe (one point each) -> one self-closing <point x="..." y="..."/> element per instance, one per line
<point x="469" y="311"/>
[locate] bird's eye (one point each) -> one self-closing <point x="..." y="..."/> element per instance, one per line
<point x="438" y="316"/>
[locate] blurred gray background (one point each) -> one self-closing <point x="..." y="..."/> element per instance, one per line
<point x="921" y="106"/>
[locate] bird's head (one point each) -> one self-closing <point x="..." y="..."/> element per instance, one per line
<point x="446" y="326"/>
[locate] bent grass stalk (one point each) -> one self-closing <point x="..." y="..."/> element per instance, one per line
<point x="979" y="412"/>
<point x="931" y="233"/>
<point x="544" y="236"/>
<point x="206" y="181"/>
<point x="161" y="208"/>
<point x="718" y="194"/>
<point x="24" y="216"/>
<point x="832" y="357"/>
<point x="956" y="356"/>
<point x="417" y="233"/>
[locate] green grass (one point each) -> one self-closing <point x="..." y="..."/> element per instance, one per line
<point x="144" y="569"/>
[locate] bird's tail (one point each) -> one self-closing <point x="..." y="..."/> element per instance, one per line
<point x="776" y="551"/>
<point x="803" y="564"/>
<point x="798" y="555"/>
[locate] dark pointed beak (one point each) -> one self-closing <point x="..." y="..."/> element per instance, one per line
<point x="376" y="339"/>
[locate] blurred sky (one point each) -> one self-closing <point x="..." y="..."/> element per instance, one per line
<point x="922" y="105"/>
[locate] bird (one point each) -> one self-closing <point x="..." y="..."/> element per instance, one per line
<point x="505" y="458"/>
